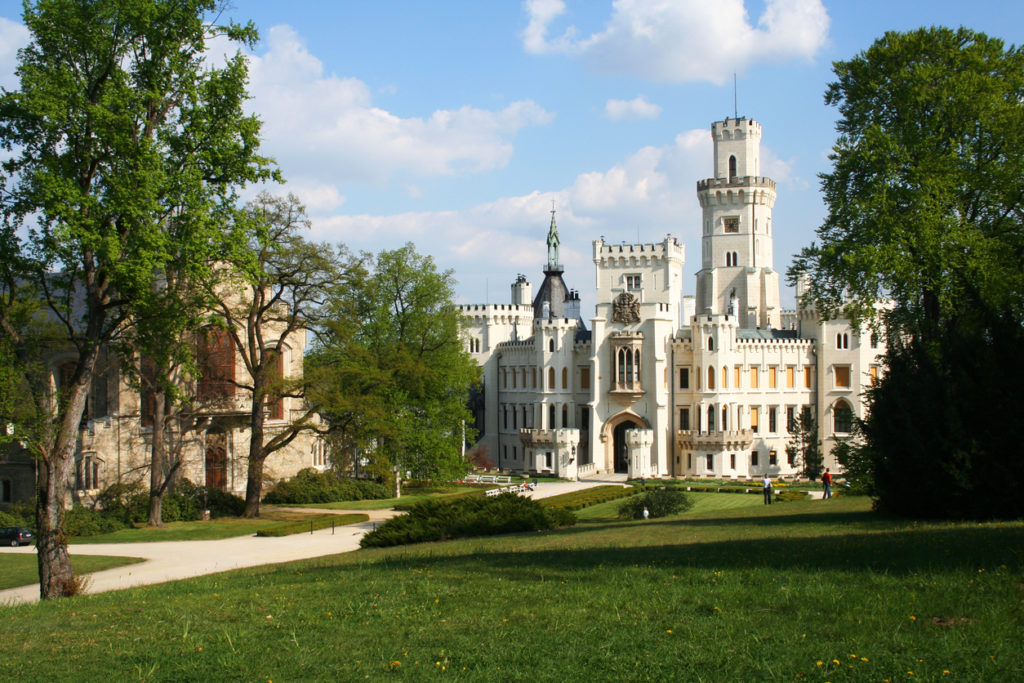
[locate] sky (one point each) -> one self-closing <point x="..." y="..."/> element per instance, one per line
<point x="455" y="125"/>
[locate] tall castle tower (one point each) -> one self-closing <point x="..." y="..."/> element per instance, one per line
<point x="736" y="276"/>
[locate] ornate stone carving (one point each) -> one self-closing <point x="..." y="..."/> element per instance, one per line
<point x="626" y="309"/>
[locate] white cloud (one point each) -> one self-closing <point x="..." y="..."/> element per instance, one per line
<point x="684" y="40"/>
<point x="13" y="36"/>
<point x="317" y="197"/>
<point x="314" y="120"/>
<point x="636" y="108"/>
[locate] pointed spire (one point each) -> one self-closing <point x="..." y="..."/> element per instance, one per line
<point x="553" y="240"/>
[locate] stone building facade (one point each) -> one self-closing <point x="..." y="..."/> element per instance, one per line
<point x="212" y="444"/>
<point x="662" y="384"/>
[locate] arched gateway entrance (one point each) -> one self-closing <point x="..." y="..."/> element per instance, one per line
<point x="620" y="449"/>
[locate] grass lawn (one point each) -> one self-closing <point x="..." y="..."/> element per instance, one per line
<point x="222" y="527"/>
<point x="810" y="590"/>
<point x="21" y="570"/>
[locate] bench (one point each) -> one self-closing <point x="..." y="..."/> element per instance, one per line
<point x="488" y="479"/>
<point x="517" y="488"/>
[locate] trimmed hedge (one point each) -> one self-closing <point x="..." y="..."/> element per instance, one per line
<point x="577" y="500"/>
<point x="311" y="486"/>
<point x="465" y="516"/>
<point x="319" y="522"/>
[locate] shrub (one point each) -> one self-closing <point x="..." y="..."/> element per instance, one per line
<point x="82" y="521"/>
<point x="9" y="520"/>
<point x="790" y="494"/>
<point x="577" y="500"/>
<point x="310" y="486"/>
<point x="660" y="502"/>
<point x="460" y="517"/>
<point x="223" y="504"/>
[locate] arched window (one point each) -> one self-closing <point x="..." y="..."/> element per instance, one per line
<point x="551" y="345"/>
<point x="711" y="378"/>
<point x="551" y="378"/>
<point x="565" y="378"/>
<point x="725" y="416"/>
<point x="732" y="167"/>
<point x="735" y="259"/>
<point x="728" y="259"/>
<point x="565" y="417"/>
<point x="725" y="377"/>
<point x="874" y="340"/>
<point x="711" y="418"/>
<point x="711" y="343"/>
<point x="842" y="417"/>
<point x="551" y="416"/>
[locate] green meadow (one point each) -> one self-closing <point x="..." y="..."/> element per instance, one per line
<point x="730" y="591"/>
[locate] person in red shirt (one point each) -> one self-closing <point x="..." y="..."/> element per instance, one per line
<point x="826" y="480"/>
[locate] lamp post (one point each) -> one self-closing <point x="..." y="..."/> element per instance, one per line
<point x="574" y="460"/>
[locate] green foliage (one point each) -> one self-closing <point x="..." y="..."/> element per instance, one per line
<point x="944" y="423"/>
<point x="128" y="504"/>
<point x="83" y="521"/>
<point x="314" y="523"/>
<point x="925" y="213"/>
<point x="439" y="520"/>
<point x="804" y="446"/>
<point x="311" y="486"/>
<point x="660" y="502"/>
<point x="9" y="520"/>
<point x="788" y="495"/>
<point x="577" y="500"/>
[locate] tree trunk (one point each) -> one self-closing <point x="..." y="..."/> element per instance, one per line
<point x="157" y="460"/>
<point x="254" y="484"/>
<point x="55" y="573"/>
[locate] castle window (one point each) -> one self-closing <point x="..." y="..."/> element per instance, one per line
<point x="584" y="378"/>
<point x="790" y="419"/>
<point x="874" y="340"/>
<point x="551" y="378"/>
<point x="565" y="378"/>
<point x="551" y="416"/>
<point x="533" y="380"/>
<point x="807" y="376"/>
<point x="772" y="377"/>
<point x="565" y="416"/>
<point x="873" y="375"/>
<point x="684" y="418"/>
<point x="842" y="375"/>
<point x="711" y="462"/>
<point x="790" y="376"/>
<point x="632" y="282"/>
<point x="725" y="415"/>
<point x="842" y="341"/>
<point x="505" y="417"/>
<point x="711" y="343"/>
<point x="551" y="345"/>
<point x="216" y="365"/>
<point x="684" y="378"/>
<point x="711" y="418"/>
<point x="753" y="419"/>
<point x="627" y="364"/>
<point x="728" y="258"/>
<point x="736" y="377"/>
<point x="753" y="458"/>
<point x="842" y="417"/>
<point x="732" y="461"/>
<point x="772" y="420"/>
<point x="711" y="378"/>
<point x="755" y="372"/>
<point x="732" y="167"/>
<point x="514" y="379"/>
<point x="725" y="377"/>
<point x="731" y="223"/>
<point x="275" y="403"/>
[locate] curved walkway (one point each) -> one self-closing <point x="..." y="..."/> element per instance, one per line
<point x="173" y="560"/>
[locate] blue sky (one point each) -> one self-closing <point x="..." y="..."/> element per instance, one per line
<point x="455" y="124"/>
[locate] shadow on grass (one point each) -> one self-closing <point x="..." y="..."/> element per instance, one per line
<point x="903" y="550"/>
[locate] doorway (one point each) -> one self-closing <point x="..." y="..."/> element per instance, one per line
<point x="216" y="460"/>
<point x="621" y="448"/>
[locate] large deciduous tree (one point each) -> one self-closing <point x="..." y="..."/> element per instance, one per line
<point x="269" y="294"/>
<point x="926" y="210"/>
<point x="393" y="375"/>
<point x="119" y="125"/>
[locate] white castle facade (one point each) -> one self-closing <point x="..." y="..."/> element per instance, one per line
<point x="662" y="384"/>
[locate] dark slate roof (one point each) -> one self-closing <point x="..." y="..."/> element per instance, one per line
<point x="767" y="334"/>
<point x="553" y="291"/>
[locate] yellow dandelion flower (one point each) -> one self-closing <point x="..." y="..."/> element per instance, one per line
<point x="913" y="618"/>
<point x="836" y="662"/>
<point x="669" y="631"/>
<point x="945" y="672"/>
<point x="864" y="659"/>
<point x="820" y="662"/>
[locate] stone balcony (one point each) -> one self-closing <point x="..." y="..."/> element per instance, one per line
<point x="729" y="440"/>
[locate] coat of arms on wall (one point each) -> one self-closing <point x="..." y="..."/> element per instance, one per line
<point x="626" y="309"/>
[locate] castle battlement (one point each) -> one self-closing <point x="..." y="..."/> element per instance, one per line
<point x="629" y="255"/>
<point x="738" y="182"/>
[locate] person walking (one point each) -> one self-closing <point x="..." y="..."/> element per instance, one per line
<point x="647" y="513"/>
<point x="826" y="481"/>
<point x="766" y="483"/>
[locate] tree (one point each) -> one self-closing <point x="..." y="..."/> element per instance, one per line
<point x="118" y="126"/>
<point x="803" y="446"/>
<point x="394" y="375"/>
<point x="268" y="293"/>
<point x="925" y="210"/>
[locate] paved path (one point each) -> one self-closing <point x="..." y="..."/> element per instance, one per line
<point x="173" y="560"/>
